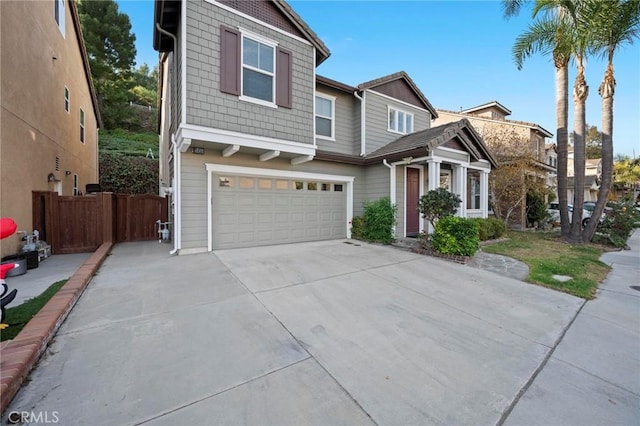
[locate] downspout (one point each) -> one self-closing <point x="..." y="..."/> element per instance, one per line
<point x="363" y="116"/>
<point x="174" y="145"/>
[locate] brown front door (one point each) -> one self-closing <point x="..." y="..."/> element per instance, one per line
<point x="413" y="195"/>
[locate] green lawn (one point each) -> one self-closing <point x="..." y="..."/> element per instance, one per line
<point x="18" y="316"/>
<point x="547" y="255"/>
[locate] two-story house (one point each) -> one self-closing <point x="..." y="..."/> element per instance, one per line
<point x="49" y="113"/>
<point x="257" y="149"/>
<point x="508" y="139"/>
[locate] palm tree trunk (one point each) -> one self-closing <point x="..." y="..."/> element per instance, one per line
<point x="562" y="108"/>
<point x="580" y="94"/>
<point x="606" y="91"/>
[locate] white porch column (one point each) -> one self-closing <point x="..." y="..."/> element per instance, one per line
<point x="484" y="192"/>
<point x="434" y="174"/>
<point x="433" y="183"/>
<point x="460" y="188"/>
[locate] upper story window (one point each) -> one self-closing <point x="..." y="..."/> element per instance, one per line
<point x="258" y="71"/>
<point x="255" y="69"/>
<point x="325" y="116"/>
<point x="58" y="14"/>
<point x="81" y="125"/>
<point x="67" y="103"/>
<point x="400" y="121"/>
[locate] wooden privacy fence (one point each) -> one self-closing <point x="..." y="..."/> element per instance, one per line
<point x="82" y="224"/>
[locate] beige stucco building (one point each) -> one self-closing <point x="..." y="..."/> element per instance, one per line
<point x="49" y="116"/>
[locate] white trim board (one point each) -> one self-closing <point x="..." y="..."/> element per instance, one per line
<point x="285" y="174"/>
<point x="209" y="134"/>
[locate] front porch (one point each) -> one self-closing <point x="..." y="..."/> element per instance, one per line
<point x="451" y="156"/>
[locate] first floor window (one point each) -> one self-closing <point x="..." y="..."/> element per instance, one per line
<point x="324" y="116"/>
<point x="81" y="125"/>
<point x="76" y="185"/>
<point x="473" y="190"/>
<point x="258" y="61"/>
<point x="400" y="121"/>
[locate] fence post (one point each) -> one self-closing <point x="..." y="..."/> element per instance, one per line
<point x="54" y="222"/>
<point x="106" y="213"/>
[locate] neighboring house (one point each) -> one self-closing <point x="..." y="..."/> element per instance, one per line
<point x="490" y="121"/>
<point x="592" y="173"/>
<point x="256" y="149"/>
<point x="49" y="114"/>
<point x="551" y="156"/>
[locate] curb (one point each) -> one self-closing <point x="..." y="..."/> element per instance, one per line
<point x="18" y="358"/>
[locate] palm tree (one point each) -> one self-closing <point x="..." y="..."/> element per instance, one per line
<point x="616" y="22"/>
<point x="552" y="34"/>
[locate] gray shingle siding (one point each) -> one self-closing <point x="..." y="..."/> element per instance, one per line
<point x="207" y="106"/>
<point x="377" y="120"/>
<point x="347" y="119"/>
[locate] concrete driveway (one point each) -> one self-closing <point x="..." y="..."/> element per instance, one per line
<point x="315" y="333"/>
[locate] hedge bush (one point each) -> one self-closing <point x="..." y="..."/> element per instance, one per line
<point x="128" y="175"/>
<point x="617" y="224"/>
<point x="455" y="235"/>
<point x="490" y="228"/>
<point x="357" y="227"/>
<point x="438" y="203"/>
<point x="379" y="218"/>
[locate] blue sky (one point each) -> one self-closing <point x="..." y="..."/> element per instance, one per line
<point x="457" y="52"/>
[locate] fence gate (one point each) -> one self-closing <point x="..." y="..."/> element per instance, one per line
<point x="81" y="224"/>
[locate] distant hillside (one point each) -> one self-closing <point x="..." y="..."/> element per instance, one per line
<point x="125" y="142"/>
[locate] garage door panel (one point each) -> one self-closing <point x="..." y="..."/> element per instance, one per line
<point x="254" y="211"/>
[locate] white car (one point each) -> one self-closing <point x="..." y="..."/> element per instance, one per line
<point x="554" y="212"/>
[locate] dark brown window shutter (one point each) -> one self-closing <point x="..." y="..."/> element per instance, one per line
<point x="229" y="60"/>
<point x="284" y="72"/>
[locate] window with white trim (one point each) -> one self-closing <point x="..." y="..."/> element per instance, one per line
<point x="473" y="189"/>
<point x="258" y="69"/>
<point x="58" y="14"/>
<point x="325" y="116"/>
<point x="81" y="125"/>
<point x="400" y="121"/>
<point x="67" y="103"/>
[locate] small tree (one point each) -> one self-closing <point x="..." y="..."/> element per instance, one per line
<point x="536" y="208"/>
<point x="438" y="203"/>
<point x="379" y="218"/>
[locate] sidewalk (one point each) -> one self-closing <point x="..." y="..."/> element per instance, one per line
<point x="593" y="376"/>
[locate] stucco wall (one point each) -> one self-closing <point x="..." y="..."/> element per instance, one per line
<point x="37" y="63"/>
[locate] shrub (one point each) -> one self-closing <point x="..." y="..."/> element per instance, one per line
<point x="379" y="218"/>
<point x="128" y="175"/>
<point x="489" y="228"/>
<point x="536" y="208"/>
<point x="438" y="203"/>
<point x="618" y="223"/>
<point x="455" y="235"/>
<point x="357" y="227"/>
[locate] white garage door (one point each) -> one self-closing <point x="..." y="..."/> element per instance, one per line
<point x="250" y="211"/>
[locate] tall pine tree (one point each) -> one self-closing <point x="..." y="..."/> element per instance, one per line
<point x="111" y="48"/>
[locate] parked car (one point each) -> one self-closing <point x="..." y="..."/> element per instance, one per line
<point x="554" y="212"/>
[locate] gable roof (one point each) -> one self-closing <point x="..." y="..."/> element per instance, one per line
<point x="488" y="105"/>
<point x="85" y="61"/>
<point x="429" y="139"/>
<point x="401" y="75"/>
<point x="335" y="84"/>
<point x="533" y="126"/>
<point x="167" y="14"/>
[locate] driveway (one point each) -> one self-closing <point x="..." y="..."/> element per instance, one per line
<point x="315" y="333"/>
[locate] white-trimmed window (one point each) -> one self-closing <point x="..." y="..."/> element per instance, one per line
<point x="81" y="125"/>
<point x="58" y="14"/>
<point x="400" y="121"/>
<point x="325" y="116"/>
<point x="473" y="189"/>
<point x="67" y="102"/>
<point x="258" y="69"/>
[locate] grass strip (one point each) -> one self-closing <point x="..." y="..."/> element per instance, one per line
<point x="547" y="255"/>
<point x="17" y="317"/>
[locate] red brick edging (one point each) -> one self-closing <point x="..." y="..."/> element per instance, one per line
<point x="21" y="354"/>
